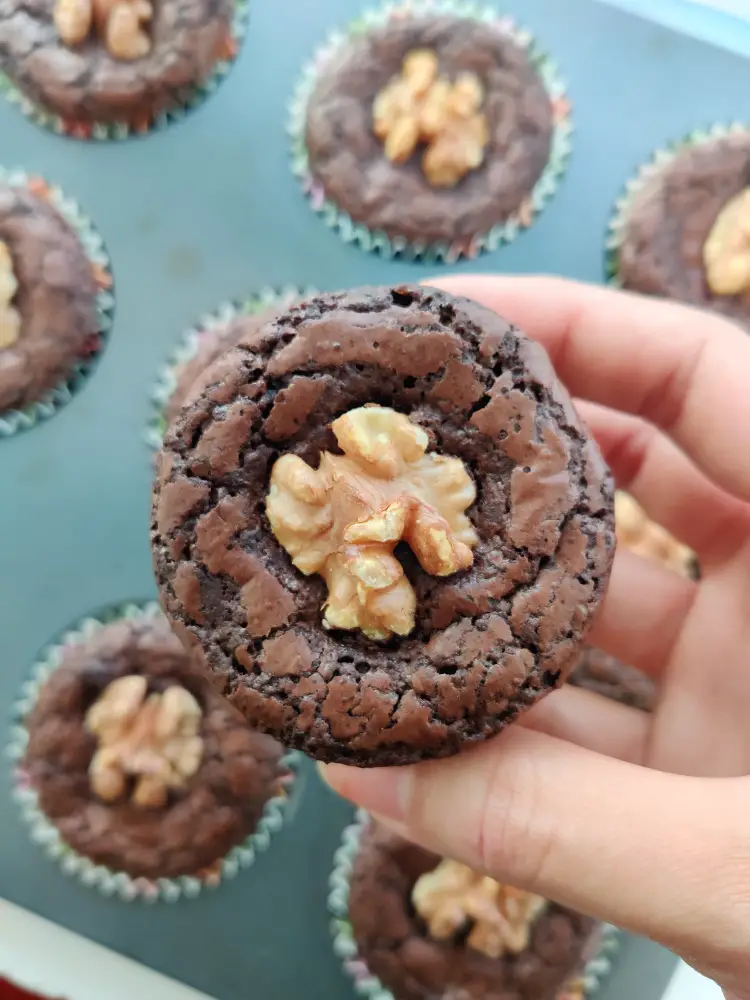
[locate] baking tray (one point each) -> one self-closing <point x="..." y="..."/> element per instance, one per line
<point x="207" y="211"/>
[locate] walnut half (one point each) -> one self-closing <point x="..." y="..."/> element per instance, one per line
<point x="10" y="320"/>
<point x="726" y="252"/>
<point x="345" y="519"/>
<point x="419" y="106"/>
<point x="118" y="23"/>
<point x="153" y="740"/>
<point x="452" y="897"/>
<point x="637" y="532"/>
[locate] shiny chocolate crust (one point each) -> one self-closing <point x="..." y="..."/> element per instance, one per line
<point x="348" y="161"/>
<point x="219" y="807"/>
<point x="85" y="84"/>
<point x="668" y="222"/>
<point x="488" y="641"/>
<point x="56" y="298"/>
<point x="395" y="945"/>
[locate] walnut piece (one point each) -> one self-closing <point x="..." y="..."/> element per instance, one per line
<point x="152" y="739"/>
<point x="452" y="897"/>
<point x="419" y="106"/>
<point x="10" y="319"/>
<point x="118" y="23"/>
<point x="726" y="252"/>
<point x="637" y="532"/>
<point x="344" y="519"/>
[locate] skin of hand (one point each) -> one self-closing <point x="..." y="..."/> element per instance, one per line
<point x="640" y="820"/>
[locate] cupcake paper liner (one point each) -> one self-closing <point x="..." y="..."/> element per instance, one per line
<point x="188" y="344"/>
<point x="105" y="880"/>
<point x="105" y="132"/>
<point x="659" y="160"/>
<point x="596" y="959"/>
<point x="358" y="233"/>
<point x="12" y="421"/>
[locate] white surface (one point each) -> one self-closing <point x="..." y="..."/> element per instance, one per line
<point x="739" y="7"/>
<point x="45" y="958"/>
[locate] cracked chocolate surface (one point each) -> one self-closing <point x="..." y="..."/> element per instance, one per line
<point x="85" y="84"/>
<point x="671" y="217"/>
<point x="219" y="807"/>
<point x="488" y="641"/>
<point x="348" y="161"/>
<point x="395" y="945"/>
<point x="603" y="674"/>
<point x="56" y="298"/>
<point x="213" y="344"/>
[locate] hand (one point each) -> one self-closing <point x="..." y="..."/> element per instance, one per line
<point x="643" y="821"/>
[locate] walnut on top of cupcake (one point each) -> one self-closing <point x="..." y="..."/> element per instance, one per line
<point x="432" y="928"/>
<point x="683" y="232"/>
<point x="431" y="128"/>
<point x="112" y="62"/>
<point x="49" y="319"/>
<point x="138" y="762"/>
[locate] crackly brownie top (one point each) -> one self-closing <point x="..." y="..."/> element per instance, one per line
<point x="495" y="623"/>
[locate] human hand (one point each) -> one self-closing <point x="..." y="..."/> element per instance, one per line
<point x="642" y="821"/>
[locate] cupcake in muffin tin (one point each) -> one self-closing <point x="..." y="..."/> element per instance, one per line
<point x="134" y="771"/>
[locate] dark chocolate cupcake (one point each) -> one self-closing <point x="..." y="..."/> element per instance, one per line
<point x="680" y="230"/>
<point x="55" y="307"/>
<point x="423" y="928"/>
<point x="152" y="783"/>
<point x="431" y="130"/>
<point x="417" y="591"/>
<point x="103" y="68"/>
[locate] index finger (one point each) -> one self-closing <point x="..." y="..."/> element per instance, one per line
<point x="684" y="370"/>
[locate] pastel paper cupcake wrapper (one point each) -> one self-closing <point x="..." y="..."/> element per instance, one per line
<point x="12" y="421"/>
<point x="106" y="132"/>
<point x="371" y="240"/>
<point x="652" y="168"/>
<point x="188" y="344"/>
<point x="596" y="960"/>
<point x="105" y="880"/>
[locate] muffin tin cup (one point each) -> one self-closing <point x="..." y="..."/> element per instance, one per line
<point x="12" y="421"/>
<point x="190" y="341"/>
<point x="105" y="880"/>
<point x="652" y="168"/>
<point x="106" y="132"/>
<point x="597" y="957"/>
<point x="372" y="240"/>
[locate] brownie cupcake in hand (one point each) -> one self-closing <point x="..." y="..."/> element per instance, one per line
<point x="427" y="928"/>
<point x="139" y="764"/>
<point x="382" y="525"/>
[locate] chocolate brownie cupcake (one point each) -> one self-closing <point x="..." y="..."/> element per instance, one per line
<point x="137" y="761"/>
<point x="438" y="132"/>
<point x="113" y="61"/>
<point x="430" y="929"/>
<point x="382" y="525"/>
<point x="680" y="231"/>
<point x="50" y="317"/>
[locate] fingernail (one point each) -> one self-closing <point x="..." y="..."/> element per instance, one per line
<point x="383" y="790"/>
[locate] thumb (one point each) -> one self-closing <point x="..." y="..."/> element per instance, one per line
<point x="663" y="855"/>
